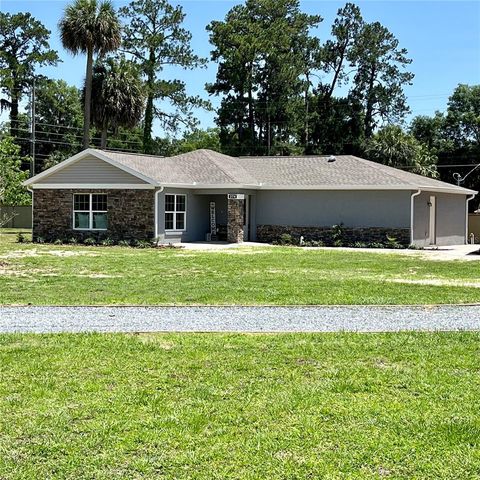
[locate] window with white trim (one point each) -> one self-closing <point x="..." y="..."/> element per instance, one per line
<point x="175" y="211"/>
<point x="90" y="211"/>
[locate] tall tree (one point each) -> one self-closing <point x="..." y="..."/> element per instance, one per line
<point x="338" y="52"/>
<point x="155" y="38"/>
<point x="337" y="125"/>
<point x="463" y="115"/>
<point x="89" y="27"/>
<point x="455" y="136"/>
<point x="265" y="54"/>
<point x="118" y="96"/>
<point x="462" y="130"/>
<point x="58" y="119"/>
<point x="430" y="131"/>
<point x="291" y="54"/>
<point x="236" y="45"/>
<point x="23" y="48"/>
<point x="332" y="119"/>
<point x="128" y="139"/>
<point x="392" y="146"/>
<point x="197" y="139"/>
<point x="12" y="191"/>
<point x="380" y="75"/>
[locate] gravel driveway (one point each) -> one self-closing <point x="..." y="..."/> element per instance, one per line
<point x="237" y="319"/>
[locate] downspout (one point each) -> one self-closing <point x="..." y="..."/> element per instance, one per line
<point x="470" y="197"/>
<point x="30" y="189"/>
<point x="160" y="190"/>
<point x="412" y="208"/>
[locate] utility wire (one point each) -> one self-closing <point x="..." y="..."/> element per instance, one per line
<point x="40" y="140"/>
<point x="136" y="151"/>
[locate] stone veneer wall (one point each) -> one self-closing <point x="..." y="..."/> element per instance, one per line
<point x="131" y="215"/>
<point x="235" y="221"/>
<point x="271" y="233"/>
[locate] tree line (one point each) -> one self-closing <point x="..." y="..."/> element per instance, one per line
<point x="281" y="89"/>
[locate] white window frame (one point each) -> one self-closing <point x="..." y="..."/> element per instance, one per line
<point x="89" y="211"/>
<point x="174" y="212"/>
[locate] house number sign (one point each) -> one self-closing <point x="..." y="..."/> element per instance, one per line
<point x="236" y="196"/>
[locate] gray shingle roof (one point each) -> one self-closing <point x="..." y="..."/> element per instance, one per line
<point x="212" y="169"/>
<point x="202" y="167"/>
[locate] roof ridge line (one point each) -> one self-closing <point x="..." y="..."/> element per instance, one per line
<point x="235" y="159"/>
<point x="219" y="167"/>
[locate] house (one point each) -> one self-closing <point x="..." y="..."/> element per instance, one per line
<point x="205" y="194"/>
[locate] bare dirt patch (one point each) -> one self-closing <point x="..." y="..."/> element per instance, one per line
<point x="56" y="253"/>
<point x="97" y="275"/>
<point x="6" y="269"/>
<point x="435" y="281"/>
<point x="21" y="254"/>
<point x="71" y="253"/>
<point x="15" y="270"/>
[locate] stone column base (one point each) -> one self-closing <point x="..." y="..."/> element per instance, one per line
<point x="235" y="221"/>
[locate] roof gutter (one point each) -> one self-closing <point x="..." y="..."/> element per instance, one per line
<point x="470" y="197"/>
<point x="261" y="186"/>
<point x="412" y="208"/>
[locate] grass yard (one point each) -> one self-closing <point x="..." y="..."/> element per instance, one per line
<point x="78" y="275"/>
<point x="212" y="406"/>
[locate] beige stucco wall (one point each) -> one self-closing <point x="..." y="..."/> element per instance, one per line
<point x="450" y="217"/>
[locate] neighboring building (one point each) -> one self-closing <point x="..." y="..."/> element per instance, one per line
<point x="186" y="197"/>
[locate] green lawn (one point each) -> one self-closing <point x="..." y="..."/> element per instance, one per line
<point x="211" y="406"/>
<point x="76" y="275"/>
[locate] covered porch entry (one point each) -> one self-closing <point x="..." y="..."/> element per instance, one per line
<point x="230" y="216"/>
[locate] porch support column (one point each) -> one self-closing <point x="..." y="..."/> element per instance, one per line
<point x="235" y="220"/>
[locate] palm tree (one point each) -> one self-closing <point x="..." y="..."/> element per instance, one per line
<point x="119" y="96"/>
<point x="90" y="26"/>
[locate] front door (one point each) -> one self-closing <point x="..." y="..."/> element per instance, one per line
<point x="433" y="220"/>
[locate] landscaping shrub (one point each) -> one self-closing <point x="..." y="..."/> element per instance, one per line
<point x="313" y="243"/>
<point x="285" y="239"/>
<point x="108" y="242"/>
<point x="392" y="242"/>
<point x="141" y="244"/>
<point x="168" y="245"/>
<point x="89" y="241"/>
<point x="360" y="245"/>
<point x="21" y="238"/>
<point x="337" y="235"/>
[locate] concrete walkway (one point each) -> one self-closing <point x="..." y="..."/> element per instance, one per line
<point x="238" y="319"/>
